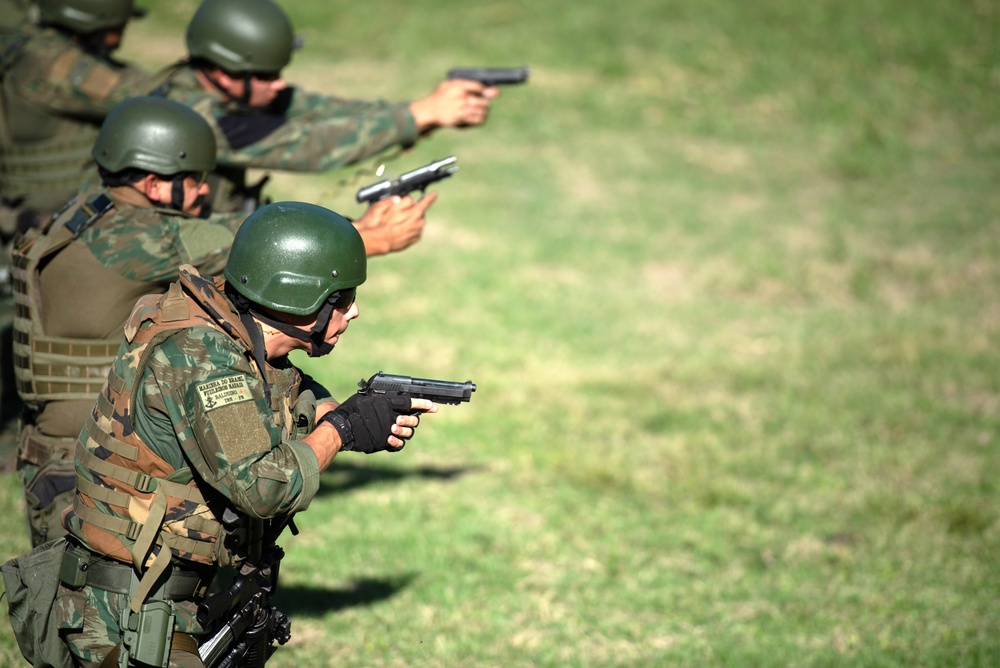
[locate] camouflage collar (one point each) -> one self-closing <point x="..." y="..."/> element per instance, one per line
<point x="207" y="291"/>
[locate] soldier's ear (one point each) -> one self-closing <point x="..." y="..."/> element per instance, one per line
<point x="151" y="186"/>
<point x="227" y="82"/>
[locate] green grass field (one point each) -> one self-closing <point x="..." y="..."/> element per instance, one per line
<point x="727" y="276"/>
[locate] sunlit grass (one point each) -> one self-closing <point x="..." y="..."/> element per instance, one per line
<point x="726" y="275"/>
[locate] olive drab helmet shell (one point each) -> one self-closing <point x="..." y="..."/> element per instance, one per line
<point x="241" y="35"/>
<point x="85" y="16"/>
<point x="156" y="135"/>
<point x="290" y="256"/>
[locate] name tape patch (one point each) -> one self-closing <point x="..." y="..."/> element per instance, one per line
<point x="224" y="392"/>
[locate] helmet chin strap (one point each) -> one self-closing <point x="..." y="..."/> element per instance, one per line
<point x="177" y="198"/>
<point x="316" y="336"/>
<point x="177" y="192"/>
<point x="243" y="99"/>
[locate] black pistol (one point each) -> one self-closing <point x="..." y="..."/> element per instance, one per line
<point x="492" y="76"/>
<point x="438" y="391"/>
<point x="418" y="179"/>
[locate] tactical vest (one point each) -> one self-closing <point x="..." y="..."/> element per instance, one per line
<point x="128" y="498"/>
<point x="47" y="367"/>
<point x="50" y="367"/>
<point x="54" y="164"/>
<point x="45" y="156"/>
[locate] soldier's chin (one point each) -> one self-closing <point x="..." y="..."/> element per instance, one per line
<point x="321" y="350"/>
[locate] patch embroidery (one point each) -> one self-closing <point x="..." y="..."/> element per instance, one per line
<point x="224" y="392"/>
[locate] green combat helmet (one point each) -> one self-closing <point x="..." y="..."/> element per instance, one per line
<point x="241" y="35"/>
<point x="297" y="259"/>
<point x="85" y="16"/>
<point x="155" y="135"/>
<point x="291" y="256"/>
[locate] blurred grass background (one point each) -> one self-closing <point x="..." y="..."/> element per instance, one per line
<point x="726" y="275"/>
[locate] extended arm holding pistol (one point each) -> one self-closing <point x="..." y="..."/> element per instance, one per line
<point x="491" y="76"/>
<point x="366" y="419"/>
<point x="438" y="391"/>
<point x="418" y="179"/>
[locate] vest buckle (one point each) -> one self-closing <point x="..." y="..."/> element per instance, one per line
<point x="144" y="483"/>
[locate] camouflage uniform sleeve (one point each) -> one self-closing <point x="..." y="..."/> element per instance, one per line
<point x="198" y="382"/>
<point x="54" y="73"/>
<point x="147" y="245"/>
<point x="205" y="243"/>
<point x="323" y="132"/>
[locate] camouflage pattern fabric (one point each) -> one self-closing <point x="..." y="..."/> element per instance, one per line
<point x="204" y="387"/>
<point x="55" y="96"/>
<point x="315" y="133"/>
<point x="87" y="289"/>
<point x="185" y="405"/>
<point x="89" y="621"/>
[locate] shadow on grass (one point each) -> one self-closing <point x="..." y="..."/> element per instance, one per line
<point x="297" y="600"/>
<point x="346" y="476"/>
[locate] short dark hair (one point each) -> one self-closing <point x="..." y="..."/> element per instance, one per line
<point x="125" y="177"/>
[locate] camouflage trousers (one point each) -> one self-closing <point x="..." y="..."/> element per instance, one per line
<point x="64" y="622"/>
<point x="89" y="620"/>
<point x="48" y="477"/>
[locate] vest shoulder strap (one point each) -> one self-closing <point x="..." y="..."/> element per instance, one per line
<point x="88" y="213"/>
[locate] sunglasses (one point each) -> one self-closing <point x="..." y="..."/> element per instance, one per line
<point x="266" y="76"/>
<point x="198" y="177"/>
<point x="344" y="298"/>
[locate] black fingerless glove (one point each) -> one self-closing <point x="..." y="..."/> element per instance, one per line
<point x="365" y="422"/>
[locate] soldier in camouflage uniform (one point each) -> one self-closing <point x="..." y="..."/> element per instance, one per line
<point x="205" y="436"/>
<point x="120" y="240"/>
<point x="12" y="14"/>
<point x="237" y="50"/>
<point x="57" y="82"/>
<point x="77" y="277"/>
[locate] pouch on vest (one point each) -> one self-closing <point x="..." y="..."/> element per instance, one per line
<point x="304" y="415"/>
<point x="32" y="581"/>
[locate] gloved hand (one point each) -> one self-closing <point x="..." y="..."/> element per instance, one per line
<point x="365" y="422"/>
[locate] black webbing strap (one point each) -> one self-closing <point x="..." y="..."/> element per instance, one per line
<point x="88" y="213"/>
